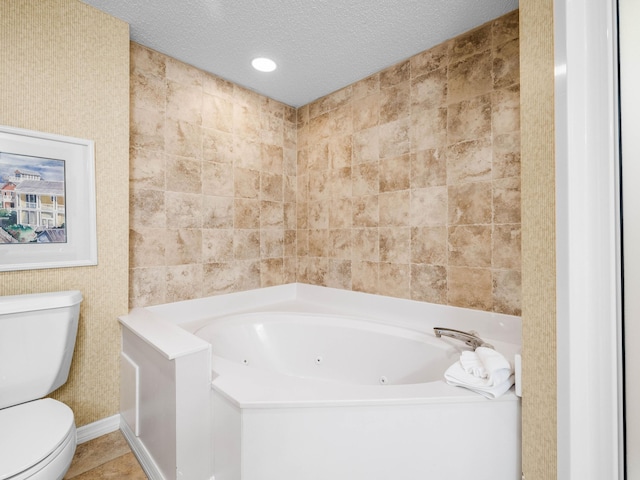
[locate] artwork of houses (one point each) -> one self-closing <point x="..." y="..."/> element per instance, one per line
<point x="32" y="202"/>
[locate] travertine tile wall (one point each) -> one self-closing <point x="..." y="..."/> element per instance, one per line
<point x="212" y="184"/>
<point x="406" y="183"/>
<point x="409" y="180"/>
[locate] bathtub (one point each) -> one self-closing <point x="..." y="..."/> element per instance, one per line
<point x="300" y="382"/>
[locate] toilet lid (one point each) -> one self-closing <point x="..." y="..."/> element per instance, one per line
<point x="30" y="432"/>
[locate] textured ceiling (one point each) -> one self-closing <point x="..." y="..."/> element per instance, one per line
<point x="319" y="45"/>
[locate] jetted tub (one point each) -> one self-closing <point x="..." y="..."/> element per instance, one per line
<point x="337" y="385"/>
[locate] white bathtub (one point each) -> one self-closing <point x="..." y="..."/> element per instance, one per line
<point x="310" y="383"/>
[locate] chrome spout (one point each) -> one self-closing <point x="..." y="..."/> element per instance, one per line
<point x="470" y="338"/>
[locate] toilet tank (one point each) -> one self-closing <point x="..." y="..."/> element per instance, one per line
<point x="37" y="338"/>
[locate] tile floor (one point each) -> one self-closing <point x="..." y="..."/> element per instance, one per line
<point x="105" y="457"/>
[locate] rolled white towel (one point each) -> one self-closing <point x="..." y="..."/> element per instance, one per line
<point x="492" y="379"/>
<point x="456" y="376"/>
<point x="472" y="364"/>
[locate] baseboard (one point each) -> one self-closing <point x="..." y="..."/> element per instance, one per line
<point x="146" y="462"/>
<point x="97" y="429"/>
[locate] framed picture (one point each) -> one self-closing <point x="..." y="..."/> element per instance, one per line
<point x="48" y="201"/>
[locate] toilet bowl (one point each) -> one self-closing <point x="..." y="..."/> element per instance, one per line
<point x="37" y="338"/>
<point x="38" y="440"/>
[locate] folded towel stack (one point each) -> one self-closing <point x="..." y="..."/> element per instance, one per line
<point x="484" y="371"/>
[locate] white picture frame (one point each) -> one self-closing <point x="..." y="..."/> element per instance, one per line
<point x="61" y="227"/>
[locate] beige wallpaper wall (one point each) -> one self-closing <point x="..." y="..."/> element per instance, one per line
<point x="212" y="184"/>
<point x="539" y="429"/>
<point x="409" y="180"/>
<point x="64" y="69"/>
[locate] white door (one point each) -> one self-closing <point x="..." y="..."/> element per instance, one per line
<point x="629" y="16"/>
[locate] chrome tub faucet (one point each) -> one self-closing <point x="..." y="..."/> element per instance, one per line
<point x="471" y="338"/>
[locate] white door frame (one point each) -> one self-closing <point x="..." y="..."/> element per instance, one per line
<point x="589" y="379"/>
<point x="630" y="145"/>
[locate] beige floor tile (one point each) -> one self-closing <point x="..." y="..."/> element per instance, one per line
<point x="125" y="466"/>
<point x="96" y="452"/>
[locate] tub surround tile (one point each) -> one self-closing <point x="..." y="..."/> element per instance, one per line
<point x="507" y="288"/>
<point x="217" y="245"/>
<point x="469" y="119"/>
<point x="364" y="276"/>
<point x="429" y="91"/>
<point x="271" y="272"/>
<point x="366" y="112"/>
<point x="395" y="245"/>
<point x="182" y="138"/>
<point x="429" y="283"/>
<point x="470" y="203"/>
<point x="431" y="59"/>
<point x="429" y="245"/>
<point x="147" y="169"/>
<point x="506" y="200"/>
<point x="394" y="102"/>
<point x="470" y="288"/>
<point x="340" y="243"/>
<point x="147" y="286"/>
<point x="434" y="176"/>
<point x="365" y="244"/>
<point x="472" y="42"/>
<point x="470" y="77"/>
<point x="183" y="246"/>
<point x="505" y="28"/>
<point x="505" y="110"/>
<point x="365" y="211"/>
<point x="218" y="146"/>
<point x="470" y="246"/>
<point x="429" y="206"/>
<point x="340" y="213"/>
<point x="428" y="168"/>
<point x="395" y="174"/>
<point x="394" y="279"/>
<point x="147" y="129"/>
<point x="217" y="113"/>
<point x="184" y="282"/>
<point x="363" y="88"/>
<point x="507" y="246"/>
<point x="365" y="179"/>
<point x="428" y="128"/>
<point x="148" y="92"/>
<point x="146" y="247"/>
<point x="272" y="244"/>
<point x="217" y="179"/>
<point x="219" y="278"/>
<point x="469" y="161"/>
<point x="246" y="244"/>
<point x="506" y="64"/>
<point x="394" y="138"/>
<point x="184" y="210"/>
<point x="405" y="183"/>
<point x="394" y="208"/>
<point x="184" y="103"/>
<point x="395" y="74"/>
<point x="147" y="208"/>
<point x="506" y="155"/>
<point x="339" y="274"/>
<point x="317" y="271"/>
<point x="217" y="212"/>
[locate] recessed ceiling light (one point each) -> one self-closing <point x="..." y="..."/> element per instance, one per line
<point x="264" y="64"/>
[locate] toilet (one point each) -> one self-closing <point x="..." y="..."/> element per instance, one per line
<point x="37" y="338"/>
